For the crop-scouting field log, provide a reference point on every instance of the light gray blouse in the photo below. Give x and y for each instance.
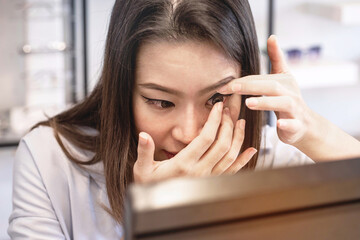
(54, 198)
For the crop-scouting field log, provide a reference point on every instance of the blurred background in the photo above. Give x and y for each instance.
(51, 56)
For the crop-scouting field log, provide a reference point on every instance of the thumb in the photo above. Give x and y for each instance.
(277, 58)
(146, 149)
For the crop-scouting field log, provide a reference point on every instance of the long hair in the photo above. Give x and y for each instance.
(226, 23)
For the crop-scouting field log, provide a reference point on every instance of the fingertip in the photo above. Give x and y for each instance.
(272, 37)
(220, 106)
(242, 123)
(281, 124)
(146, 148)
(252, 151)
(272, 40)
(143, 138)
(251, 102)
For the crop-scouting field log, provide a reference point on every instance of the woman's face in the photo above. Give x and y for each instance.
(175, 89)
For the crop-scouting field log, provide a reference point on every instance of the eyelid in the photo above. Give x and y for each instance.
(217, 94)
(159, 103)
(220, 94)
(153, 99)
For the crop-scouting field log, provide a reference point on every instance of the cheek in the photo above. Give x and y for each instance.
(151, 124)
(146, 121)
(234, 104)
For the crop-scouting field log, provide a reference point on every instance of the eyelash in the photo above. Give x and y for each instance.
(216, 95)
(158, 103)
(162, 104)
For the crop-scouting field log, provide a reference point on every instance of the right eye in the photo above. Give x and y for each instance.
(158, 103)
(217, 97)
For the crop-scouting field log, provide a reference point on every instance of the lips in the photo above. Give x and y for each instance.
(169, 154)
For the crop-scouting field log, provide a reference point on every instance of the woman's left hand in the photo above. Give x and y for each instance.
(280, 93)
(296, 123)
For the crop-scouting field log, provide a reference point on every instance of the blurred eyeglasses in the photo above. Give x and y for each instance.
(296, 54)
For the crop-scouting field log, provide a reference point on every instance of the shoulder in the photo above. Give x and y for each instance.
(56, 170)
(76, 194)
(54, 167)
(274, 153)
(44, 146)
(40, 184)
(50, 158)
(46, 151)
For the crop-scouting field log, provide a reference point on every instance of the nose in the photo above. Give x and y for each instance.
(188, 126)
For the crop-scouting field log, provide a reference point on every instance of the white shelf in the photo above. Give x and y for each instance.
(316, 74)
(347, 13)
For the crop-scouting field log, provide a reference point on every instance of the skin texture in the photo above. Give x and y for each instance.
(188, 69)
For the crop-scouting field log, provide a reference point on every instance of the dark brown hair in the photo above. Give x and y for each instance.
(226, 23)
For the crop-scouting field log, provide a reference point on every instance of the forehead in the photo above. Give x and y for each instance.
(184, 63)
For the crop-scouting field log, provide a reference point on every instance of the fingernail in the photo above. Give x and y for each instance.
(281, 123)
(219, 106)
(253, 152)
(251, 102)
(143, 138)
(236, 87)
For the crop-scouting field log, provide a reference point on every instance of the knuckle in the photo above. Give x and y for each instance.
(231, 170)
(233, 155)
(240, 137)
(138, 177)
(208, 139)
(223, 146)
(228, 129)
(297, 99)
(290, 103)
(262, 102)
(137, 168)
(292, 80)
(219, 169)
(277, 87)
(182, 169)
(203, 172)
(229, 123)
(216, 172)
(199, 172)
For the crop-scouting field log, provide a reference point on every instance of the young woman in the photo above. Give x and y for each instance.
(179, 95)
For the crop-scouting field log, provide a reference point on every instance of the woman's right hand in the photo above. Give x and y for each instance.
(214, 151)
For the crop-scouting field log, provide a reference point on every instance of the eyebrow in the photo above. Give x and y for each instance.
(213, 87)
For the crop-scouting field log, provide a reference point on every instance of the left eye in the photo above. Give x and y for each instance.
(217, 97)
(161, 104)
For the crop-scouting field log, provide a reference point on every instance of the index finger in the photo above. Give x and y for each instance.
(268, 85)
(207, 136)
(277, 58)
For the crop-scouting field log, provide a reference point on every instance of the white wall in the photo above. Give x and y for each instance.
(298, 29)
(98, 22)
(11, 62)
(7, 157)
